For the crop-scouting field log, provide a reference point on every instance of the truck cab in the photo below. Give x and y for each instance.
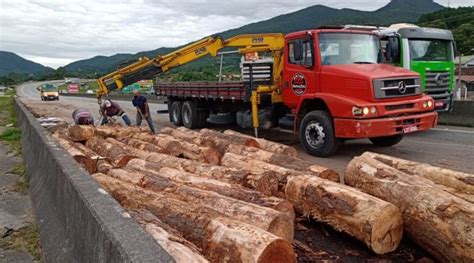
(49, 92)
(427, 51)
(337, 87)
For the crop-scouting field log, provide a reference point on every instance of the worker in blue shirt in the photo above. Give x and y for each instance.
(143, 110)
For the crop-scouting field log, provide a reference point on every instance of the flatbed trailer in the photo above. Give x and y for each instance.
(229, 90)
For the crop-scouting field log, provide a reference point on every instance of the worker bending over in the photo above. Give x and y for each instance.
(82, 117)
(143, 110)
(109, 109)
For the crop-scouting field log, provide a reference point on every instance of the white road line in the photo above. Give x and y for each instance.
(450, 130)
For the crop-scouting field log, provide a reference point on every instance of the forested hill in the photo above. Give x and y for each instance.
(459, 20)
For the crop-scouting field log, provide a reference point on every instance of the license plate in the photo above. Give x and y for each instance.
(410, 129)
(439, 104)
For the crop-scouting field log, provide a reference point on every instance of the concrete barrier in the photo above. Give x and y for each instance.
(78, 221)
(462, 114)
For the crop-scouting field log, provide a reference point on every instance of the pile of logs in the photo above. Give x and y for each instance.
(224, 196)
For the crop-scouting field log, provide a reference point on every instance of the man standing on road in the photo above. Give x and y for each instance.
(143, 110)
(109, 109)
(82, 117)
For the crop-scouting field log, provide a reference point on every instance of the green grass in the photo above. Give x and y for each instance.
(25, 239)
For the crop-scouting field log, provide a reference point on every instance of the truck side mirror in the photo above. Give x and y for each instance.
(298, 50)
(393, 48)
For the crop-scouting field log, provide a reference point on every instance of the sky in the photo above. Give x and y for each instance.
(56, 32)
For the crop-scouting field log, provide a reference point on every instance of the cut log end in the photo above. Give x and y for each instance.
(87, 163)
(387, 230)
(277, 251)
(124, 161)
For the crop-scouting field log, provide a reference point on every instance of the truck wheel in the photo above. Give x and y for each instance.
(175, 113)
(387, 140)
(317, 134)
(190, 115)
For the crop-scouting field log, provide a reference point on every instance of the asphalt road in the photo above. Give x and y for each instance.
(445, 146)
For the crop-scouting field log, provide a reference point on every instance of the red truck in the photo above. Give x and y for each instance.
(329, 85)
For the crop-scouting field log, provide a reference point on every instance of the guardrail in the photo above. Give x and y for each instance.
(78, 220)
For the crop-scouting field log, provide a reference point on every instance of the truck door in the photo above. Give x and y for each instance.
(298, 74)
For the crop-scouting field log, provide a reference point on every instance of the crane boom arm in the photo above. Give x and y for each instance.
(146, 68)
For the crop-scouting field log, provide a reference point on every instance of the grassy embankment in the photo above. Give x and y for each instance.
(26, 238)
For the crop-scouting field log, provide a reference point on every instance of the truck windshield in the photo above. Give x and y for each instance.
(349, 48)
(431, 50)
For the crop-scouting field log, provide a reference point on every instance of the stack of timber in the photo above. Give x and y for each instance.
(436, 203)
(225, 196)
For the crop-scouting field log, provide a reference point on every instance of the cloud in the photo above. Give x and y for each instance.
(55, 32)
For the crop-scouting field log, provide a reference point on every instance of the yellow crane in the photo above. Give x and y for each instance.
(146, 67)
(247, 43)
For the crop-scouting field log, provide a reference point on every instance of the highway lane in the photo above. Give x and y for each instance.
(445, 146)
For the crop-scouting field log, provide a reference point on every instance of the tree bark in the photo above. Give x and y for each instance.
(181, 250)
(271, 220)
(373, 221)
(266, 145)
(81, 133)
(221, 239)
(437, 221)
(249, 164)
(284, 161)
(457, 183)
(262, 181)
(184, 134)
(109, 148)
(226, 189)
(84, 161)
(231, 139)
(168, 143)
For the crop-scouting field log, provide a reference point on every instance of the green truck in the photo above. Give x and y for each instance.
(427, 51)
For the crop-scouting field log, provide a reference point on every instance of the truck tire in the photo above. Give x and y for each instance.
(317, 134)
(175, 113)
(190, 115)
(387, 141)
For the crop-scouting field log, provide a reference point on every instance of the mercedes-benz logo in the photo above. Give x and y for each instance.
(402, 87)
(439, 79)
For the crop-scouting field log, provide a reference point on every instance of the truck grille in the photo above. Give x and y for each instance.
(437, 84)
(400, 87)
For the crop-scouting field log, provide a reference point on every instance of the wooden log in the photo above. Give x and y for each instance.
(114, 131)
(118, 155)
(280, 224)
(168, 143)
(84, 161)
(231, 139)
(267, 145)
(181, 250)
(249, 164)
(373, 221)
(436, 220)
(81, 133)
(457, 183)
(227, 189)
(184, 134)
(284, 161)
(262, 181)
(221, 239)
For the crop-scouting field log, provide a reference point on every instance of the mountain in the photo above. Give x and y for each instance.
(311, 17)
(12, 63)
(459, 20)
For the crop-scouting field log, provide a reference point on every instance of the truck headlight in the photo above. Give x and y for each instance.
(366, 111)
(430, 103)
